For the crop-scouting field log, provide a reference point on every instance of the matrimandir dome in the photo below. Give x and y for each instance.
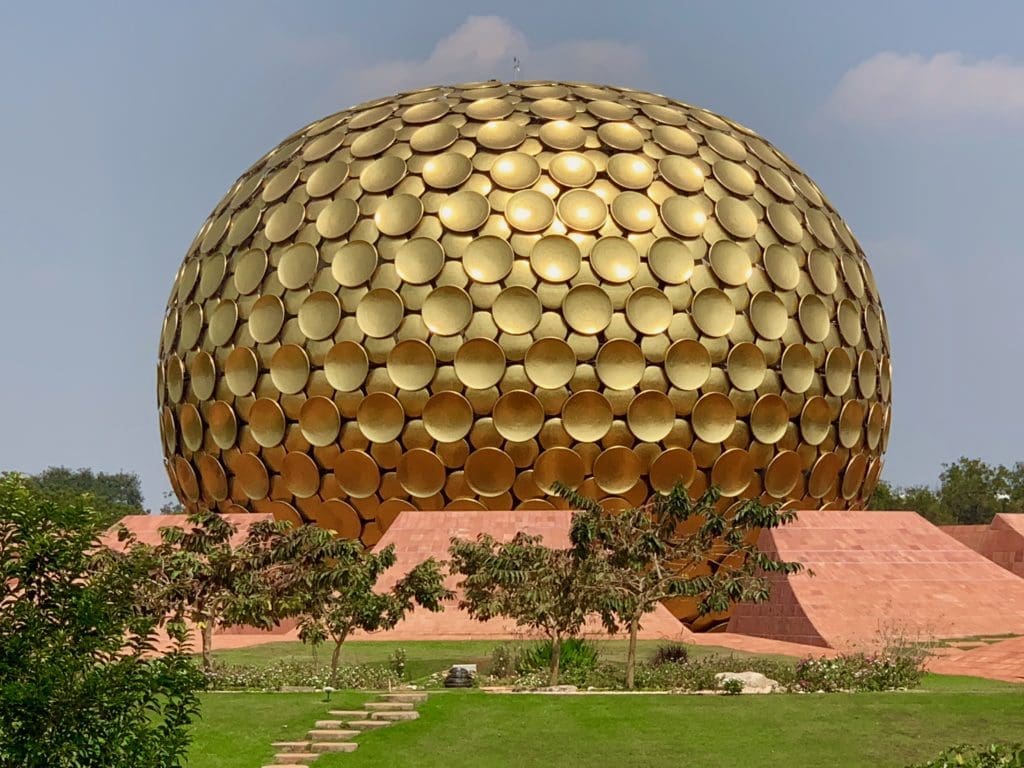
(456, 296)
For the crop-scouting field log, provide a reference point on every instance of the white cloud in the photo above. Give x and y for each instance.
(909, 88)
(483, 47)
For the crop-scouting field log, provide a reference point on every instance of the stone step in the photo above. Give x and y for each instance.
(335, 746)
(286, 765)
(330, 734)
(349, 713)
(395, 716)
(368, 725)
(330, 723)
(380, 706)
(405, 696)
(291, 746)
(295, 758)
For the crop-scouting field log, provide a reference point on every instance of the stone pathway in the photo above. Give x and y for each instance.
(337, 733)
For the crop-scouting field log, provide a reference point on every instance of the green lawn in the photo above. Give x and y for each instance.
(641, 731)
(479, 730)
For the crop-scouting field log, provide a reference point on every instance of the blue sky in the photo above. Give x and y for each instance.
(124, 123)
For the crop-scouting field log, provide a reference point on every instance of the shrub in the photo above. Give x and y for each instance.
(887, 671)
(577, 657)
(991, 756)
(732, 686)
(397, 662)
(699, 674)
(272, 677)
(504, 661)
(671, 653)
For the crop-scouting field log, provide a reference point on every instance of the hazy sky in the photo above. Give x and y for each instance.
(122, 124)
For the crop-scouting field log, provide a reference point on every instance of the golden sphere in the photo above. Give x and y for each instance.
(456, 296)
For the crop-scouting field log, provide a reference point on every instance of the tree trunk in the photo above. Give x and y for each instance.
(556, 655)
(336, 655)
(634, 627)
(207, 643)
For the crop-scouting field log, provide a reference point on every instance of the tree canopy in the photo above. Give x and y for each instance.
(111, 495)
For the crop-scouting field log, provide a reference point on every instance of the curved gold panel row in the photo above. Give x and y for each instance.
(455, 297)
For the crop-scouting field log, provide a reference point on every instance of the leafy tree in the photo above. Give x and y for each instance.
(548, 590)
(79, 684)
(112, 496)
(973, 492)
(643, 558)
(208, 574)
(331, 585)
(914, 498)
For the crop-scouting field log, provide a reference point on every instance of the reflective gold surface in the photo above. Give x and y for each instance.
(461, 296)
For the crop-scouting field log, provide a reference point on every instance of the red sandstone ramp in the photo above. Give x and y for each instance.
(1002, 541)
(418, 535)
(147, 527)
(999, 661)
(876, 573)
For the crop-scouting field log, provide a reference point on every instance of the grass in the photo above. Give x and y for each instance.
(426, 657)
(643, 731)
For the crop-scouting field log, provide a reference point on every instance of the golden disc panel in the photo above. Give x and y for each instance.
(357, 474)
(460, 295)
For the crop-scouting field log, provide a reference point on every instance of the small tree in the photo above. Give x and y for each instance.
(331, 585)
(548, 590)
(642, 557)
(203, 575)
(80, 686)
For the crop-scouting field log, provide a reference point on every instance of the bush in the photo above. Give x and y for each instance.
(672, 653)
(577, 657)
(699, 674)
(504, 661)
(991, 756)
(732, 686)
(272, 677)
(859, 672)
(397, 662)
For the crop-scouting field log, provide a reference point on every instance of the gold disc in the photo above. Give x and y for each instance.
(782, 267)
(571, 169)
(252, 476)
(337, 218)
(769, 419)
(419, 260)
(447, 171)
(555, 258)
(266, 318)
(203, 376)
(682, 173)
(516, 310)
(191, 427)
(582, 210)
(587, 309)
(615, 259)
(838, 371)
(670, 260)
(814, 318)
(340, 517)
(587, 416)
(684, 215)
(380, 417)
(620, 364)
(357, 474)
(411, 364)
(421, 473)
(186, 477)
(447, 416)
(851, 423)
(346, 366)
(675, 465)
(649, 310)
(650, 416)
(815, 420)
(529, 211)
(327, 178)
(561, 465)
(266, 422)
(490, 472)
(561, 134)
(713, 417)
(783, 474)
(630, 171)
(634, 212)
(515, 170)
(797, 368)
(398, 215)
(616, 469)
(464, 211)
(488, 259)
(736, 217)
(730, 263)
(713, 312)
(319, 315)
(732, 472)
(379, 313)
(249, 270)
(688, 364)
(297, 265)
(319, 420)
(447, 310)
(550, 363)
(824, 475)
(480, 363)
(853, 477)
(768, 315)
(300, 474)
(223, 424)
(354, 263)
(289, 368)
(746, 366)
(518, 415)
